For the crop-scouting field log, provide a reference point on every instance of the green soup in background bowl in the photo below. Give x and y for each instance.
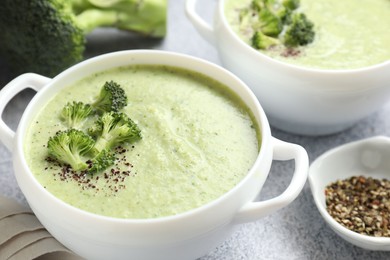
(348, 34)
(191, 180)
(350, 84)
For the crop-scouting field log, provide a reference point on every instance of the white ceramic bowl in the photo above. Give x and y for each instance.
(369, 158)
(297, 99)
(184, 236)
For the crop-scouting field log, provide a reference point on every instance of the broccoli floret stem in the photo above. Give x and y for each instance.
(117, 135)
(75, 113)
(101, 144)
(133, 15)
(112, 129)
(93, 18)
(148, 18)
(78, 6)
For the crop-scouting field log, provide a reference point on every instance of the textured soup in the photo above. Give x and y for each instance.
(199, 140)
(350, 34)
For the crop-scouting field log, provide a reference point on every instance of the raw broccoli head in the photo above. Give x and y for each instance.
(39, 36)
(112, 129)
(299, 32)
(75, 113)
(112, 97)
(69, 146)
(48, 36)
(261, 41)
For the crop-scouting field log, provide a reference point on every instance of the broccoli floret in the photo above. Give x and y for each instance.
(283, 9)
(276, 7)
(112, 97)
(264, 16)
(261, 41)
(278, 19)
(69, 146)
(73, 147)
(48, 36)
(291, 5)
(75, 113)
(101, 161)
(112, 129)
(270, 24)
(299, 32)
(257, 5)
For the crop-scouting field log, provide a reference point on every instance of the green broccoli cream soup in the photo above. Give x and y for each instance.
(198, 140)
(349, 34)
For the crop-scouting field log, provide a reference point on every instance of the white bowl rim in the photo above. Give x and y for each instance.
(263, 124)
(298, 68)
(370, 240)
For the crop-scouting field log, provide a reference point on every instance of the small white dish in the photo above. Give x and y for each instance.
(370, 158)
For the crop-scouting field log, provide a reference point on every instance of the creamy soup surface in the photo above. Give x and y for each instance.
(198, 141)
(350, 34)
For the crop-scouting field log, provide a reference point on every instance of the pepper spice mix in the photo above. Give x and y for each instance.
(361, 204)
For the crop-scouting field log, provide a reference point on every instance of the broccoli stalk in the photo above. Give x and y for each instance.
(69, 146)
(112, 129)
(48, 36)
(146, 17)
(112, 97)
(75, 113)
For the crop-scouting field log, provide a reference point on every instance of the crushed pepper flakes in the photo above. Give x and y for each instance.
(360, 204)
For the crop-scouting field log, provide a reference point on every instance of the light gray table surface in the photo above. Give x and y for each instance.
(295, 232)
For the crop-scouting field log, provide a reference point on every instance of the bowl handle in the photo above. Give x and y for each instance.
(282, 151)
(204, 29)
(24, 81)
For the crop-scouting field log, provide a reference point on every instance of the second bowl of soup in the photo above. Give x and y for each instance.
(326, 86)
